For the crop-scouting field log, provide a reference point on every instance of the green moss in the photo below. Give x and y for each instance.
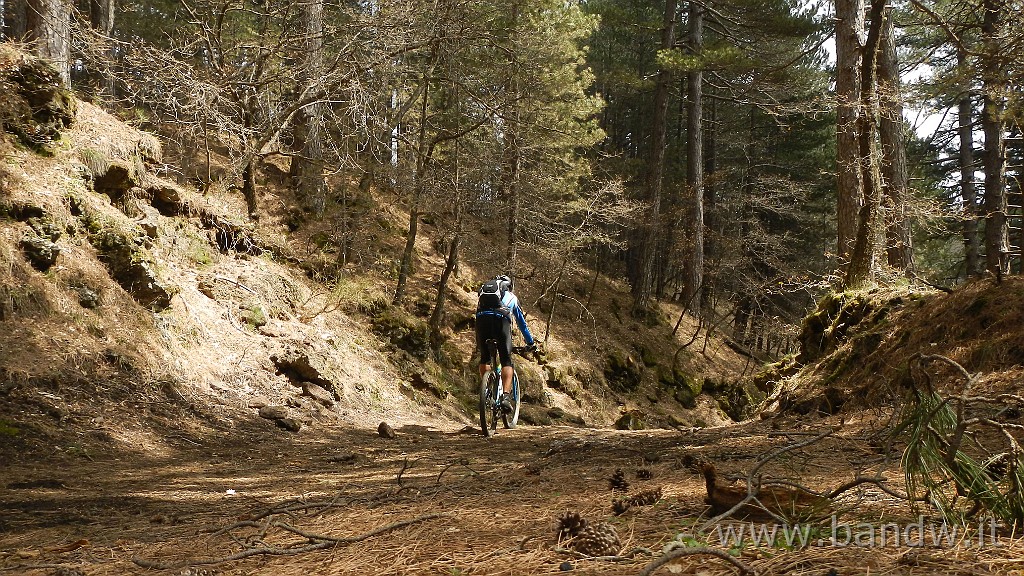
(622, 372)
(405, 331)
(8, 429)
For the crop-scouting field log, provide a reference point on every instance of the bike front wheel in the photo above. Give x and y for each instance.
(488, 407)
(512, 418)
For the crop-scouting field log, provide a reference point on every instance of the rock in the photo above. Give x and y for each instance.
(273, 412)
(132, 268)
(116, 180)
(318, 393)
(385, 430)
(632, 420)
(35, 106)
(149, 219)
(87, 297)
(273, 328)
(258, 402)
(307, 365)
(42, 253)
(289, 424)
(168, 198)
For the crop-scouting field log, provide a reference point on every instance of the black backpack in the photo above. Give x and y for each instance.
(491, 295)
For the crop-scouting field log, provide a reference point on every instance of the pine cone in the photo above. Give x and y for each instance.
(571, 524)
(619, 507)
(646, 498)
(599, 539)
(644, 474)
(618, 481)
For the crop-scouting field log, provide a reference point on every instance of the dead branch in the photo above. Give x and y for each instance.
(754, 487)
(679, 552)
(320, 542)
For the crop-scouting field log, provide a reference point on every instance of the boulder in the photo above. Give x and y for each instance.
(307, 365)
(168, 198)
(318, 394)
(41, 252)
(33, 103)
(87, 297)
(385, 430)
(132, 268)
(289, 424)
(273, 412)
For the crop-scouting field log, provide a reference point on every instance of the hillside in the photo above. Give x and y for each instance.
(133, 305)
(186, 390)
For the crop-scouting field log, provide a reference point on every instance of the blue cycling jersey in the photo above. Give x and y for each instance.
(510, 302)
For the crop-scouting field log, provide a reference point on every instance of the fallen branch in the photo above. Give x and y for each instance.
(753, 488)
(321, 542)
(671, 555)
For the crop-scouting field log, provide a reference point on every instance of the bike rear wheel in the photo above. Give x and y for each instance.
(512, 418)
(488, 409)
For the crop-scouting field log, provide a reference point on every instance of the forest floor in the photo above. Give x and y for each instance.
(473, 505)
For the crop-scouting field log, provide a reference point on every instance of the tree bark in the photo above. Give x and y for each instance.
(422, 154)
(307, 165)
(899, 244)
(15, 12)
(994, 85)
(511, 149)
(644, 283)
(101, 16)
(849, 28)
(694, 281)
(863, 259)
(48, 26)
(969, 194)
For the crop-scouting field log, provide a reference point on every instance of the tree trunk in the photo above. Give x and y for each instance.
(899, 245)
(307, 165)
(849, 27)
(249, 189)
(512, 151)
(965, 120)
(422, 153)
(48, 26)
(451, 261)
(15, 25)
(643, 285)
(101, 16)
(694, 281)
(864, 258)
(994, 83)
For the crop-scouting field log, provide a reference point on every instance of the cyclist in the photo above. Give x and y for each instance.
(496, 307)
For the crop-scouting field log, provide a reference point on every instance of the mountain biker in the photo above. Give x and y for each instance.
(496, 307)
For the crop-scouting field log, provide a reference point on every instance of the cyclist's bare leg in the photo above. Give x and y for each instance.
(484, 368)
(506, 379)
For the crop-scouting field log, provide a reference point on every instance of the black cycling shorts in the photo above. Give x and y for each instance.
(494, 327)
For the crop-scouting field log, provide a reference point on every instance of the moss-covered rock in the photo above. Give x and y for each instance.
(125, 257)
(403, 330)
(41, 252)
(33, 103)
(622, 372)
(631, 420)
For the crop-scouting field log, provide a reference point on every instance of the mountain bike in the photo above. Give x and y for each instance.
(490, 392)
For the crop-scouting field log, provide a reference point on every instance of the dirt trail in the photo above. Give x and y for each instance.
(497, 501)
